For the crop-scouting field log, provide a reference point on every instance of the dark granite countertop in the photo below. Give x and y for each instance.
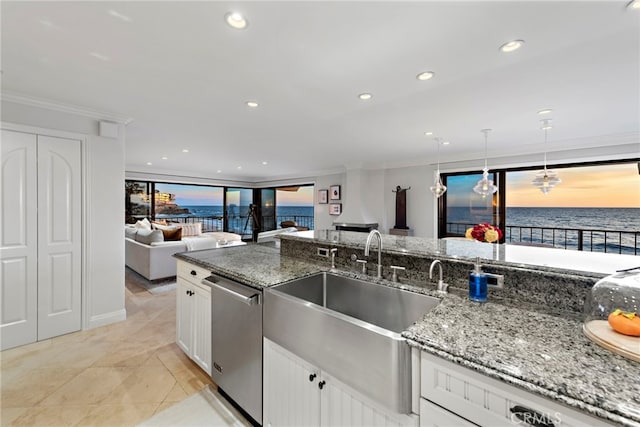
(513, 255)
(544, 354)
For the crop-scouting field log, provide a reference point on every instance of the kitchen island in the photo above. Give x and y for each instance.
(543, 354)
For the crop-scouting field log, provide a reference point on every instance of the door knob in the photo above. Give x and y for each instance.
(193, 273)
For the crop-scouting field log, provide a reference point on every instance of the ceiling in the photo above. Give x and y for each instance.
(183, 77)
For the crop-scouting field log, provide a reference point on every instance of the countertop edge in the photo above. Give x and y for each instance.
(525, 385)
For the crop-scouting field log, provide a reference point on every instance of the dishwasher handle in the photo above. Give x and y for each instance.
(237, 291)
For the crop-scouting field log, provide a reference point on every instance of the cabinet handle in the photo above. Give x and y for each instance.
(187, 292)
(312, 377)
(321, 384)
(194, 273)
(532, 417)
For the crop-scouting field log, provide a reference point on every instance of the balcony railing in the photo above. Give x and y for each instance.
(581, 239)
(236, 223)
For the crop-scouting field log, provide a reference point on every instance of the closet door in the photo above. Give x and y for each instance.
(59, 236)
(18, 240)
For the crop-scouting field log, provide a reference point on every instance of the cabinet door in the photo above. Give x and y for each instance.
(343, 406)
(201, 344)
(291, 394)
(434, 416)
(59, 236)
(184, 327)
(18, 240)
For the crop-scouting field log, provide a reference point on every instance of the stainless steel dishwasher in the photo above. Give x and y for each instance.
(236, 343)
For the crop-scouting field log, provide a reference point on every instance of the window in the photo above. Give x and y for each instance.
(295, 203)
(596, 207)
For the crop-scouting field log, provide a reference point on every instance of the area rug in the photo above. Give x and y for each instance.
(205, 408)
(133, 279)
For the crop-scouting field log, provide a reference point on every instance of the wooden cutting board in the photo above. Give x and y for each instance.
(602, 334)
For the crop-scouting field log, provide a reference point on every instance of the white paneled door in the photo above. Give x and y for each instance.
(41, 237)
(19, 240)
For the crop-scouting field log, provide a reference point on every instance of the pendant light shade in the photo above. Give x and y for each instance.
(438, 188)
(546, 179)
(485, 186)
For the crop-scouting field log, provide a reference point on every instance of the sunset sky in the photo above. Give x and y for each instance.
(609, 186)
(195, 195)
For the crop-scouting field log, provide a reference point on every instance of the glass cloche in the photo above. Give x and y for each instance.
(612, 313)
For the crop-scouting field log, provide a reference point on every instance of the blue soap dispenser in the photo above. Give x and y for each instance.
(477, 283)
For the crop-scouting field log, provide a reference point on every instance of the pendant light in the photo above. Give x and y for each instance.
(438, 188)
(546, 179)
(485, 186)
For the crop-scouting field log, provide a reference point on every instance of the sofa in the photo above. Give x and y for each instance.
(151, 256)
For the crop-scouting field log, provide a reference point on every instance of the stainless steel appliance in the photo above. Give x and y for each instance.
(236, 341)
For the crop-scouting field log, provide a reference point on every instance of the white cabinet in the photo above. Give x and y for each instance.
(193, 314)
(297, 393)
(486, 401)
(434, 416)
(41, 241)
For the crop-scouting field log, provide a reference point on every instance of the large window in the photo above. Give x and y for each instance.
(596, 207)
(295, 203)
(244, 211)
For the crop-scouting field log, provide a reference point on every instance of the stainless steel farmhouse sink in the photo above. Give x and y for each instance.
(351, 329)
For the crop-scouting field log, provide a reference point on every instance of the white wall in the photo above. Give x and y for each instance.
(421, 204)
(103, 253)
(322, 218)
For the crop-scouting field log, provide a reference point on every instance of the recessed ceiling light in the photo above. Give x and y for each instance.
(149, 163)
(634, 4)
(164, 157)
(219, 171)
(119, 15)
(446, 143)
(47, 23)
(428, 133)
(185, 150)
(545, 111)
(265, 163)
(511, 46)
(425, 75)
(252, 104)
(365, 96)
(100, 56)
(239, 167)
(236, 20)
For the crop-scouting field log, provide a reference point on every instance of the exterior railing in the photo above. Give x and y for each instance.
(235, 223)
(581, 239)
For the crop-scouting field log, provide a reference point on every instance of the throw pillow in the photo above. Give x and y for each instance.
(144, 223)
(148, 236)
(130, 232)
(172, 234)
(157, 226)
(194, 229)
(160, 222)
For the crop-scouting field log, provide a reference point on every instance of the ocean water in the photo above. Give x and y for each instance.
(526, 224)
(303, 215)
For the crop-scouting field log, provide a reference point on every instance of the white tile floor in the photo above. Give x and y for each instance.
(116, 375)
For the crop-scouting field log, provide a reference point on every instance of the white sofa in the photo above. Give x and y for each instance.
(155, 261)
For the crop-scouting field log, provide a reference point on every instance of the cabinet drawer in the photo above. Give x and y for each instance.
(434, 416)
(489, 402)
(192, 273)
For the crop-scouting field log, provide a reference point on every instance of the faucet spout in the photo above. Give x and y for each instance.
(367, 246)
(442, 287)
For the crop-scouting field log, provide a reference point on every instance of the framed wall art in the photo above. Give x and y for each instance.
(335, 208)
(323, 196)
(334, 192)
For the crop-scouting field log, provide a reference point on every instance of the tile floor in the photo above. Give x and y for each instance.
(116, 375)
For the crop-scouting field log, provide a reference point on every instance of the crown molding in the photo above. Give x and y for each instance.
(48, 104)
